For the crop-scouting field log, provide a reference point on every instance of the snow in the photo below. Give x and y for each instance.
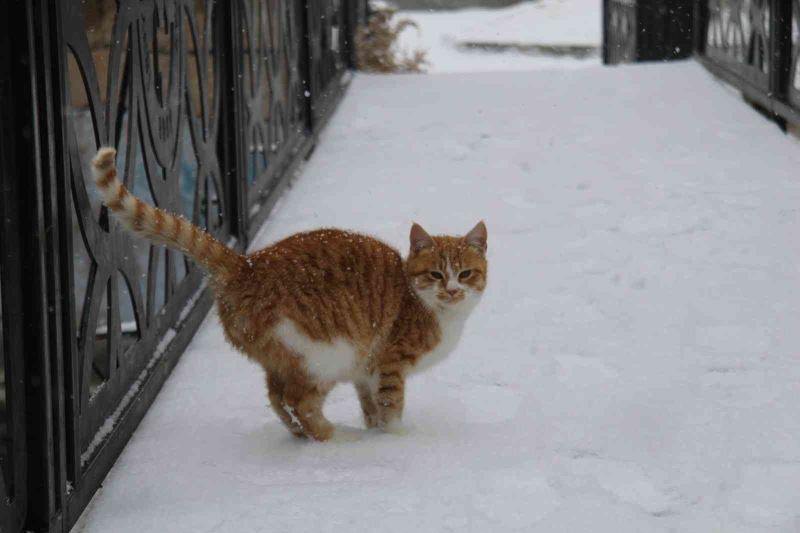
(544, 22)
(631, 367)
(108, 424)
(128, 326)
(193, 300)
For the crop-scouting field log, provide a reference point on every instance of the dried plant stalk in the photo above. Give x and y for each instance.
(376, 45)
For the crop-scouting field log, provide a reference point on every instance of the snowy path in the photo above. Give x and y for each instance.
(633, 366)
(442, 35)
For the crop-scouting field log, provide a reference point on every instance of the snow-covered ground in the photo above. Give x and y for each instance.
(632, 367)
(540, 22)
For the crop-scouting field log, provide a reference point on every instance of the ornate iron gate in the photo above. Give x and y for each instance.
(755, 45)
(752, 44)
(211, 105)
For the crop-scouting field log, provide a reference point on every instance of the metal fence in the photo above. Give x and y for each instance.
(755, 45)
(752, 44)
(619, 31)
(211, 104)
(646, 30)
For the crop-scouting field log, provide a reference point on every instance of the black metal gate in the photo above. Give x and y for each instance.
(752, 44)
(647, 30)
(211, 105)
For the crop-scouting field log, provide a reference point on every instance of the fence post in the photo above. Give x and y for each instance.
(661, 30)
(231, 141)
(664, 29)
(606, 21)
(306, 66)
(352, 21)
(780, 47)
(38, 119)
(13, 497)
(699, 26)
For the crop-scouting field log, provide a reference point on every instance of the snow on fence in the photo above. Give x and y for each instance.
(211, 105)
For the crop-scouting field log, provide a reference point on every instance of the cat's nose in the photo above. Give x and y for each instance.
(453, 292)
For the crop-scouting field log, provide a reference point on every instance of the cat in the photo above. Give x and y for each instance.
(326, 306)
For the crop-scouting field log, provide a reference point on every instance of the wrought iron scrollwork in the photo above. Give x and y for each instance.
(738, 36)
(273, 94)
(794, 72)
(151, 89)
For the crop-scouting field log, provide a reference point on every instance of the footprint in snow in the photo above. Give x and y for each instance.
(627, 482)
(514, 499)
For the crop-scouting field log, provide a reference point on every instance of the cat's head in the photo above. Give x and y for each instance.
(448, 272)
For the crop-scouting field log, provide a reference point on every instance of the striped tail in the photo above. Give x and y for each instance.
(159, 225)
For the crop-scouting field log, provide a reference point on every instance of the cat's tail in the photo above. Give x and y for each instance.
(158, 225)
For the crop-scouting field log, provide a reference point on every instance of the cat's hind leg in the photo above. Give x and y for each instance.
(276, 387)
(295, 396)
(301, 402)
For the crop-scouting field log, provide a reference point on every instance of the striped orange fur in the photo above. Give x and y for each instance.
(327, 306)
(160, 226)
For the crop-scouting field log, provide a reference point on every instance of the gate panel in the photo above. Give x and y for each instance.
(13, 479)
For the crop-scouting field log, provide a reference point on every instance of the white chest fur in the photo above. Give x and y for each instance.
(326, 361)
(338, 360)
(451, 324)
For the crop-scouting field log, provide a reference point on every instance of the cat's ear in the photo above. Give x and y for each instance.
(477, 236)
(420, 239)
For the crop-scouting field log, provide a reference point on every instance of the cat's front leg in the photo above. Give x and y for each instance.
(390, 395)
(366, 396)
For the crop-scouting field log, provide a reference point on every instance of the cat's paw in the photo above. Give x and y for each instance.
(395, 427)
(372, 421)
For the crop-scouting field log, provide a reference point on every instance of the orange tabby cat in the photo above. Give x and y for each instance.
(326, 306)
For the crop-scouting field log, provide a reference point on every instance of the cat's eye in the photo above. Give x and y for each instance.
(464, 274)
(437, 275)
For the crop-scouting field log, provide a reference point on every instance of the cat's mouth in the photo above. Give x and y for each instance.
(452, 298)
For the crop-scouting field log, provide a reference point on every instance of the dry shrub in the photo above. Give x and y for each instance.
(376, 44)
